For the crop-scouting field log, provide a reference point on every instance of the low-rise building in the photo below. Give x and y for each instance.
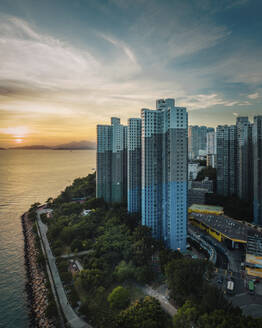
(204, 184)
(254, 255)
(196, 196)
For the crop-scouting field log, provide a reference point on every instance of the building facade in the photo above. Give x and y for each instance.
(197, 141)
(211, 143)
(134, 165)
(104, 163)
(257, 169)
(193, 141)
(164, 172)
(226, 137)
(244, 159)
(111, 165)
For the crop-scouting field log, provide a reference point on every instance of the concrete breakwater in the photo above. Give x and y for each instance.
(36, 282)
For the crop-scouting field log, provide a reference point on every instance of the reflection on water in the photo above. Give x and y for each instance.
(26, 177)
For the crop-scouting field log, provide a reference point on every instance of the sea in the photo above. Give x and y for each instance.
(26, 177)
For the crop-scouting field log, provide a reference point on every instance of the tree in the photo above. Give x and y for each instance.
(66, 277)
(208, 172)
(91, 278)
(146, 313)
(186, 316)
(119, 298)
(166, 255)
(182, 283)
(124, 271)
(95, 203)
(76, 245)
(213, 299)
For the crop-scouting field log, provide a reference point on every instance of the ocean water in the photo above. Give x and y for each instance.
(26, 177)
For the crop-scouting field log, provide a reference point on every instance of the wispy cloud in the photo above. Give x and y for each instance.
(207, 101)
(121, 45)
(253, 95)
(17, 131)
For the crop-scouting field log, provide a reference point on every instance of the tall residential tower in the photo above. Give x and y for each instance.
(226, 160)
(164, 172)
(111, 174)
(257, 166)
(244, 159)
(134, 165)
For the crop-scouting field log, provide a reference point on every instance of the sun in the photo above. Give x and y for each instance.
(18, 140)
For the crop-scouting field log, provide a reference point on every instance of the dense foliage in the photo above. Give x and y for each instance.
(119, 249)
(207, 172)
(189, 316)
(146, 313)
(121, 255)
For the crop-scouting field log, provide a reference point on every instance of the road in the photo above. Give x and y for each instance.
(72, 318)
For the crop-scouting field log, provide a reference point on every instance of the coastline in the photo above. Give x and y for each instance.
(36, 289)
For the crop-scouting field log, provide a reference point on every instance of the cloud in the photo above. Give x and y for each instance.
(253, 95)
(17, 131)
(202, 101)
(120, 44)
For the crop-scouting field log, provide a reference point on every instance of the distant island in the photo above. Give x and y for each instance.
(75, 145)
(31, 147)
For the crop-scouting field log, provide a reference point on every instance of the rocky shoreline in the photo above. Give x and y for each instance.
(36, 280)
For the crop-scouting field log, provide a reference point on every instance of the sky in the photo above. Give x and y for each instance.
(67, 65)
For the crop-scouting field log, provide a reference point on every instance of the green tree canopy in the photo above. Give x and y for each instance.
(146, 313)
(185, 278)
(119, 298)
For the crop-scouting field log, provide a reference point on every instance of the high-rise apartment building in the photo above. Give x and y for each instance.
(164, 172)
(134, 165)
(112, 162)
(226, 137)
(244, 159)
(104, 162)
(257, 167)
(197, 140)
(193, 141)
(202, 140)
(211, 142)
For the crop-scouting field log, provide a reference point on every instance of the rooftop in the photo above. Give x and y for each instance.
(222, 224)
(206, 208)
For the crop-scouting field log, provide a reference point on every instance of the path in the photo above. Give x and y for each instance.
(79, 254)
(72, 318)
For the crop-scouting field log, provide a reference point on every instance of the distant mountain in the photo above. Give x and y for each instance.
(31, 147)
(84, 144)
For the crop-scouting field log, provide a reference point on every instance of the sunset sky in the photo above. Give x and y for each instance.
(67, 65)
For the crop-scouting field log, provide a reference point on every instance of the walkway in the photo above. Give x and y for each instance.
(79, 254)
(72, 318)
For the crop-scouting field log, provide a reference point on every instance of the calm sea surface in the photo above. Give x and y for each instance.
(26, 177)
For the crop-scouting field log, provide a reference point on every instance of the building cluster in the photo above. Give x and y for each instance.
(239, 162)
(145, 164)
(201, 142)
